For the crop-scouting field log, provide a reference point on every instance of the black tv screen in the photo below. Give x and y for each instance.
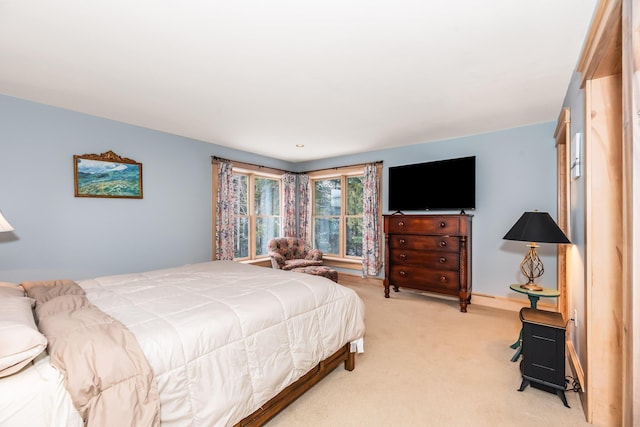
(440, 185)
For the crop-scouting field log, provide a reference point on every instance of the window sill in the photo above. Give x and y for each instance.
(346, 263)
(351, 264)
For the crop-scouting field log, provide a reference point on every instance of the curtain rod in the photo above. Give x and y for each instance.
(215, 159)
(219, 159)
(377, 162)
(268, 169)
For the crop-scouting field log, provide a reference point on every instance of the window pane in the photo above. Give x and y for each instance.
(267, 196)
(267, 228)
(326, 234)
(241, 237)
(354, 236)
(326, 197)
(355, 194)
(241, 194)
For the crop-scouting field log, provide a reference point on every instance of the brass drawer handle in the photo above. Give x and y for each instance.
(403, 257)
(402, 241)
(442, 260)
(443, 243)
(443, 224)
(401, 223)
(443, 279)
(403, 273)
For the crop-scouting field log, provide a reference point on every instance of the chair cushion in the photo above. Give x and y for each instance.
(290, 264)
(322, 270)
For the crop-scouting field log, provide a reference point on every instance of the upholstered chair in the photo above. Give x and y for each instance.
(287, 253)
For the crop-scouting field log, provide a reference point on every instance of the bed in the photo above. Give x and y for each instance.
(222, 344)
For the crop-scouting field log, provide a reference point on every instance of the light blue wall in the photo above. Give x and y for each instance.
(574, 100)
(60, 236)
(515, 172)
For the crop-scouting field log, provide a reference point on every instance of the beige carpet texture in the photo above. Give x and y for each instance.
(427, 364)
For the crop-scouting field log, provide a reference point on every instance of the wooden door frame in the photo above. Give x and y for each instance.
(612, 184)
(631, 211)
(563, 150)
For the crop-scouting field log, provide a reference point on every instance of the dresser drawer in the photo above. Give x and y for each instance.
(425, 243)
(437, 260)
(423, 225)
(425, 278)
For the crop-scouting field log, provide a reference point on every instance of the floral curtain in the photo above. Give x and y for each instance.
(289, 217)
(224, 212)
(304, 203)
(371, 261)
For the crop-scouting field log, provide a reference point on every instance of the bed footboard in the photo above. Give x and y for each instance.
(298, 388)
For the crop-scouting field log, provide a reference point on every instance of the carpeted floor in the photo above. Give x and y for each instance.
(428, 364)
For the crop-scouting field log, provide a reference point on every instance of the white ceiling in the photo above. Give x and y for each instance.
(339, 76)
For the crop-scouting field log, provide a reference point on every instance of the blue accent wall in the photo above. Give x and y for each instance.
(577, 299)
(515, 172)
(58, 235)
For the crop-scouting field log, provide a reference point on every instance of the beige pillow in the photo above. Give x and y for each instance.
(20, 339)
(10, 290)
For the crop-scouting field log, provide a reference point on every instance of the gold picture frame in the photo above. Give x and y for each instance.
(107, 175)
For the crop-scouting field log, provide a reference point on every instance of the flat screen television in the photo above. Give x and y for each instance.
(440, 185)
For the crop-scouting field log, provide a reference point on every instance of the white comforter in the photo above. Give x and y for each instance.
(224, 337)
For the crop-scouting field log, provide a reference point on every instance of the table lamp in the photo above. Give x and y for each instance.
(4, 224)
(535, 227)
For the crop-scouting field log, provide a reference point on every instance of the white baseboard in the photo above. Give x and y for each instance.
(511, 304)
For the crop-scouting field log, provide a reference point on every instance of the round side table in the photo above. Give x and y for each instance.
(534, 296)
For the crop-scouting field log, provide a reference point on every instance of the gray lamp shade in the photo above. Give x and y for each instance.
(536, 227)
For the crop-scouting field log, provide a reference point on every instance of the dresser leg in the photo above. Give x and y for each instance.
(386, 288)
(463, 305)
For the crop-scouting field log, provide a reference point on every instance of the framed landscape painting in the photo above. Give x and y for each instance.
(107, 175)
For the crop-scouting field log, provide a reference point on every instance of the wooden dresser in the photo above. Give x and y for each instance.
(430, 253)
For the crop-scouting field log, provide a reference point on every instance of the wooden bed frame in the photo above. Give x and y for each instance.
(298, 388)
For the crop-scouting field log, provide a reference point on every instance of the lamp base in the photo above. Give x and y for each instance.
(531, 287)
(532, 268)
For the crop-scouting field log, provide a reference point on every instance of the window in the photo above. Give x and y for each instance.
(257, 209)
(337, 214)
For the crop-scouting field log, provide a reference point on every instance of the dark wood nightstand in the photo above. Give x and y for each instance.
(543, 351)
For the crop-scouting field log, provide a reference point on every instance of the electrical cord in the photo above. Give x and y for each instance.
(575, 385)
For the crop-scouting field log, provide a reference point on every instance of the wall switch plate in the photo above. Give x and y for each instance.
(575, 318)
